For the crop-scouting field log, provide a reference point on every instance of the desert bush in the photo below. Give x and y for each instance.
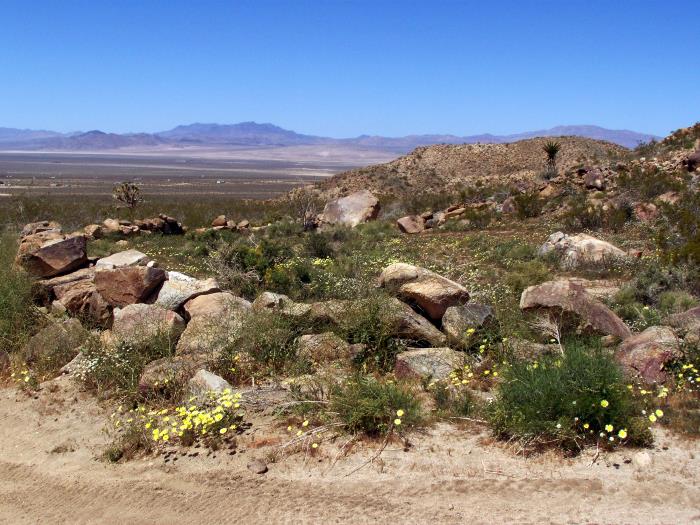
(528, 205)
(127, 194)
(18, 316)
(319, 245)
(524, 274)
(370, 322)
(513, 251)
(678, 237)
(675, 301)
(115, 369)
(648, 184)
(581, 214)
(375, 407)
(568, 400)
(268, 337)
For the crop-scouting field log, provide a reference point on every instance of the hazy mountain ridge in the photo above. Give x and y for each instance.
(253, 134)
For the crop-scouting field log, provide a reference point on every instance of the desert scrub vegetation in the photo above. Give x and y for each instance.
(568, 400)
(373, 406)
(19, 317)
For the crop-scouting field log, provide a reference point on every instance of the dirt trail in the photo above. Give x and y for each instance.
(49, 474)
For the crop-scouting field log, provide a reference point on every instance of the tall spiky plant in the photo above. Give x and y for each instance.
(552, 149)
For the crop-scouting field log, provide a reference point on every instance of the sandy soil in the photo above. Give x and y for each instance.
(49, 474)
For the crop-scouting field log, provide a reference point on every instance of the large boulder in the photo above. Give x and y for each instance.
(215, 305)
(411, 224)
(180, 288)
(430, 292)
(128, 285)
(35, 241)
(43, 289)
(581, 248)
(571, 299)
(144, 323)
(351, 210)
(466, 324)
(428, 363)
(647, 354)
(692, 162)
(122, 260)
(409, 325)
(56, 257)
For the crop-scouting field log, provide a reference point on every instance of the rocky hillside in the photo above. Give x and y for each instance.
(449, 167)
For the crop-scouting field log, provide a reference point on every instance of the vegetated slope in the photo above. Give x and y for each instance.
(450, 167)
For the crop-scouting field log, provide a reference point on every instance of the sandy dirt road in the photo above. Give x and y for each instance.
(49, 474)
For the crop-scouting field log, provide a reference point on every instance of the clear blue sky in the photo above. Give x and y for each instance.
(345, 68)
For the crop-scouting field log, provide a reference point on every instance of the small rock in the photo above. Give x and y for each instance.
(257, 466)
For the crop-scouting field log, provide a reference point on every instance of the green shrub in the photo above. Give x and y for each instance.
(581, 214)
(567, 400)
(18, 316)
(365, 404)
(678, 237)
(675, 301)
(524, 274)
(528, 205)
(371, 322)
(648, 184)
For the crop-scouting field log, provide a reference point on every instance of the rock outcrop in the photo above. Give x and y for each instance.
(128, 285)
(581, 248)
(55, 257)
(647, 354)
(351, 210)
(428, 363)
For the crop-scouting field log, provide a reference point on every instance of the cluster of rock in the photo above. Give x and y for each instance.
(222, 222)
(162, 224)
(434, 219)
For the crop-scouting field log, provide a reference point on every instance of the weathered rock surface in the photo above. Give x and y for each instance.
(128, 285)
(82, 299)
(204, 382)
(411, 224)
(581, 248)
(568, 297)
(216, 304)
(180, 288)
(646, 354)
(409, 325)
(39, 227)
(122, 260)
(44, 288)
(429, 363)
(431, 292)
(283, 304)
(685, 321)
(459, 319)
(160, 374)
(56, 257)
(141, 323)
(352, 210)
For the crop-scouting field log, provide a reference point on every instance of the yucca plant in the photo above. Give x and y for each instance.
(552, 149)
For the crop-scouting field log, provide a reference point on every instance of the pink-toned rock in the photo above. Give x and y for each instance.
(411, 224)
(128, 285)
(508, 206)
(567, 296)
(82, 299)
(646, 211)
(647, 354)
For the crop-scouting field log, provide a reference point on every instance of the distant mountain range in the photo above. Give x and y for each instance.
(252, 134)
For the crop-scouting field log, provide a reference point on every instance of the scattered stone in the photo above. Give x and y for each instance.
(429, 291)
(122, 260)
(180, 288)
(257, 466)
(594, 180)
(93, 231)
(128, 285)
(216, 304)
(141, 323)
(221, 220)
(352, 210)
(203, 382)
(411, 224)
(428, 363)
(564, 296)
(39, 227)
(646, 354)
(642, 459)
(56, 257)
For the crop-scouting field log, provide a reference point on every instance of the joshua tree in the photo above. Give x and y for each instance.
(551, 148)
(128, 194)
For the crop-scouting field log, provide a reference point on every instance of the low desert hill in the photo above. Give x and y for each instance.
(443, 168)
